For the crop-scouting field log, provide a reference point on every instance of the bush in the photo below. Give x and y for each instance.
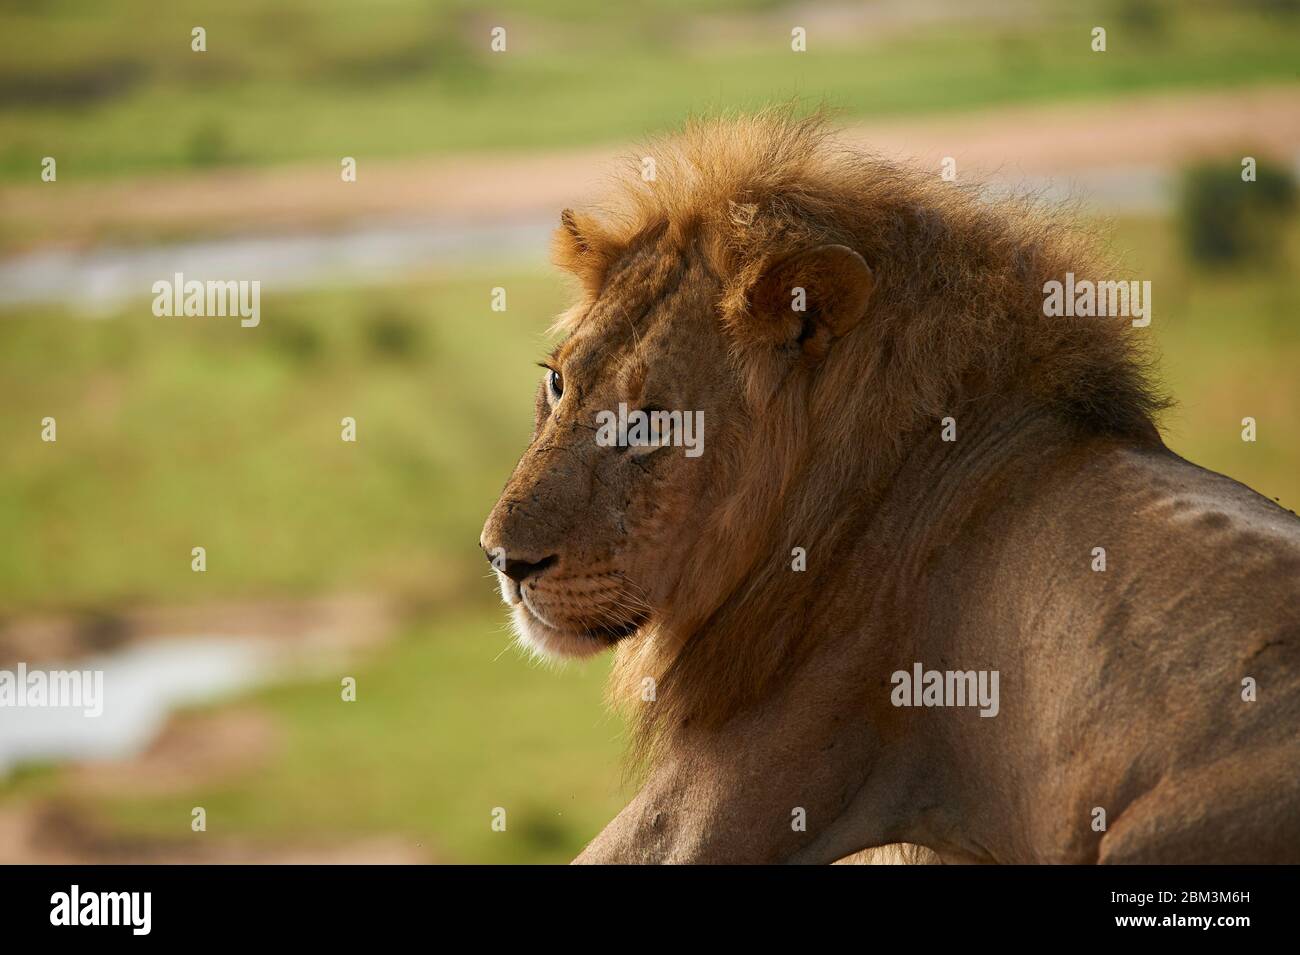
(1225, 220)
(392, 334)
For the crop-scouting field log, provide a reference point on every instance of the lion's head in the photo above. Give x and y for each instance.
(814, 309)
(586, 531)
(595, 529)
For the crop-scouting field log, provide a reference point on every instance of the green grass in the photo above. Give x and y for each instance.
(1230, 349)
(176, 433)
(116, 90)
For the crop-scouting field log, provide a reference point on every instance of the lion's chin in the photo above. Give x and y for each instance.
(543, 640)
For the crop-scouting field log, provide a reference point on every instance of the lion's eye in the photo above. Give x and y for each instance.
(554, 385)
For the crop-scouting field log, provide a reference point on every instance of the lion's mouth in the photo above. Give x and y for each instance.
(607, 632)
(612, 633)
(564, 637)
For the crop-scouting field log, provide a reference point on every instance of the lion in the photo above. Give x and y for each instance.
(909, 471)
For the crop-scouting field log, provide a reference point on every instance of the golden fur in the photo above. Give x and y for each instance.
(961, 283)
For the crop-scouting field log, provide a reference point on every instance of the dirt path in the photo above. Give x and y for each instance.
(1162, 130)
(344, 623)
(57, 833)
(196, 751)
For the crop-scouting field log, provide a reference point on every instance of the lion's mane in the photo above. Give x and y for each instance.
(956, 315)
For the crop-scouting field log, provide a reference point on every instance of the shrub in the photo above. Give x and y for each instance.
(1225, 220)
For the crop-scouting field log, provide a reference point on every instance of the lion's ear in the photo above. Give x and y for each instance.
(581, 247)
(813, 297)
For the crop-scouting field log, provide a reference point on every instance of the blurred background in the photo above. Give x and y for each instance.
(328, 559)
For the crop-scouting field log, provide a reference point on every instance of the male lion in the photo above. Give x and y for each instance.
(907, 467)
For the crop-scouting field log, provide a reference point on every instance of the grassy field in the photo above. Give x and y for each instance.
(1230, 348)
(209, 433)
(116, 90)
(176, 432)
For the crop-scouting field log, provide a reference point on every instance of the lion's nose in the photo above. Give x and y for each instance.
(521, 570)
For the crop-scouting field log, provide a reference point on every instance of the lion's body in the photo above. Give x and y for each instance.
(1121, 689)
(772, 732)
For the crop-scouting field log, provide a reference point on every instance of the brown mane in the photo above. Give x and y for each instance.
(956, 315)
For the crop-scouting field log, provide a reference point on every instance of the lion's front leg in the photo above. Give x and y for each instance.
(738, 811)
(679, 817)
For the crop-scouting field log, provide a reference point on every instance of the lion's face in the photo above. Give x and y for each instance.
(607, 519)
(591, 531)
